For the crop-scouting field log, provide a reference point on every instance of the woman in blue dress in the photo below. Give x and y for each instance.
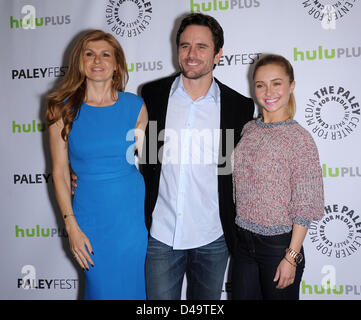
(95, 126)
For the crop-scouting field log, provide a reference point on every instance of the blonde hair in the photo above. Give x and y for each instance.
(64, 103)
(286, 65)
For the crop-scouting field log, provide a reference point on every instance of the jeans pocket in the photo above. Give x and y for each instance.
(158, 248)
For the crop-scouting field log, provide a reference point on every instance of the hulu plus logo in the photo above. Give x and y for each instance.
(145, 66)
(329, 286)
(323, 53)
(342, 172)
(28, 127)
(31, 21)
(215, 5)
(319, 289)
(209, 5)
(39, 232)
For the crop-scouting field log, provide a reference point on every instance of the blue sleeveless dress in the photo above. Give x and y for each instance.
(109, 201)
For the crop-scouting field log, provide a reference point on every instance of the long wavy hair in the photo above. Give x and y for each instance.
(286, 65)
(64, 103)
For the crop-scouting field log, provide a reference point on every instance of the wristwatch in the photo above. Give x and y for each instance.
(297, 256)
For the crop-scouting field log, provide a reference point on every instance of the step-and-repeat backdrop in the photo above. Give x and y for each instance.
(320, 38)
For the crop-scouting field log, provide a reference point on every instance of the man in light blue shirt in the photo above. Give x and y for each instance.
(188, 188)
(189, 207)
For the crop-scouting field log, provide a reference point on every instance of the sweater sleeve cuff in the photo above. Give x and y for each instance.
(302, 221)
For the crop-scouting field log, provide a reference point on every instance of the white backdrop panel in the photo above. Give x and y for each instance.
(35, 258)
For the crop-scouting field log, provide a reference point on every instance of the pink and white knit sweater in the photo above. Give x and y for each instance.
(277, 178)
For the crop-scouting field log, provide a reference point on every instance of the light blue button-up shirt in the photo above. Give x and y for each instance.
(186, 214)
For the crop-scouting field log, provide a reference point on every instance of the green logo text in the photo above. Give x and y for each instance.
(39, 232)
(28, 127)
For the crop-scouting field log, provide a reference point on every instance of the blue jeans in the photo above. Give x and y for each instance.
(254, 266)
(204, 267)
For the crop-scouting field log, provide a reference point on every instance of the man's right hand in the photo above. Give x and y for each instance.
(73, 182)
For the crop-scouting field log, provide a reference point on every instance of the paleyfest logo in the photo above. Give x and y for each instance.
(328, 12)
(30, 281)
(338, 234)
(333, 113)
(128, 18)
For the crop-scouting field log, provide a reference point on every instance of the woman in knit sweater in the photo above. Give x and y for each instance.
(278, 190)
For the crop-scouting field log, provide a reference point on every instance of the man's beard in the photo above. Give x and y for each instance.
(192, 75)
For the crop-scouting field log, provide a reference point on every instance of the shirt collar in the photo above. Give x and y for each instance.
(177, 85)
